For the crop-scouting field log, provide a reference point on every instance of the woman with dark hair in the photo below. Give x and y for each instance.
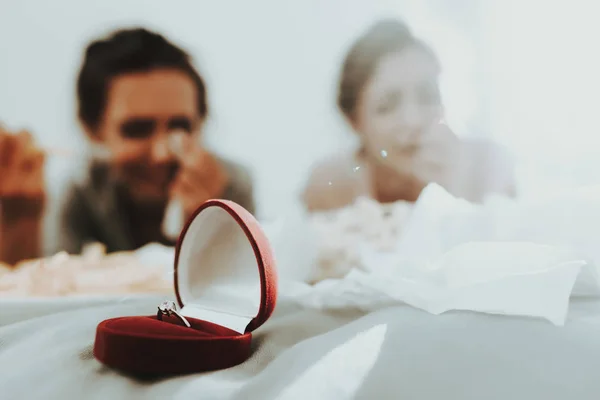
(142, 102)
(389, 93)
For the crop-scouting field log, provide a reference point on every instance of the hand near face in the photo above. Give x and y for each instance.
(21, 166)
(22, 196)
(433, 158)
(404, 173)
(201, 177)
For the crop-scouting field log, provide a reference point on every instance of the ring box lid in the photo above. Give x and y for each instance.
(224, 268)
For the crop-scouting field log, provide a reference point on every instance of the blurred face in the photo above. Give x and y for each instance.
(400, 103)
(142, 110)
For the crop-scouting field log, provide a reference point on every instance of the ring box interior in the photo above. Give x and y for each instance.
(226, 287)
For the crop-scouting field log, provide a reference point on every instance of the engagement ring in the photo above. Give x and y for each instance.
(169, 308)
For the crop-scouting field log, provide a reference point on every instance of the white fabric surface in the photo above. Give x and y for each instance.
(395, 353)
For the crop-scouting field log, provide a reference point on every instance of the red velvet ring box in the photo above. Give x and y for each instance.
(226, 287)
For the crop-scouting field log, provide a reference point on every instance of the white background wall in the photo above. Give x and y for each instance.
(543, 69)
(271, 67)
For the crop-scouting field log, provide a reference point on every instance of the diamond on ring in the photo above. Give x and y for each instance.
(169, 308)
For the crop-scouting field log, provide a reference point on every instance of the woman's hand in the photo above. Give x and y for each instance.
(406, 173)
(436, 155)
(21, 166)
(22, 196)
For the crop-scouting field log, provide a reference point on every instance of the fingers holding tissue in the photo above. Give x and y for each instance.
(21, 165)
(201, 177)
(436, 154)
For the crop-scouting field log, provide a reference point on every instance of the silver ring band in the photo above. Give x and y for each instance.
(169, 308)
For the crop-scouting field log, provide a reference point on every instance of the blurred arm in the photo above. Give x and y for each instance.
(20, 228)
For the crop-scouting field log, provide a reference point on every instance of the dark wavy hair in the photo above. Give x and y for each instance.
(123, 52)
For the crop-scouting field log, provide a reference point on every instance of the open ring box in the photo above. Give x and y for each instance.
(226, 287)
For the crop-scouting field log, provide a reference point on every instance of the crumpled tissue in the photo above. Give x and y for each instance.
(524, 258)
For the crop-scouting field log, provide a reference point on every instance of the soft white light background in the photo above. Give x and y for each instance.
(543, 66)
(523, 72)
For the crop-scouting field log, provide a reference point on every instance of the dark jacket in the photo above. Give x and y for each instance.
(94, 212)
